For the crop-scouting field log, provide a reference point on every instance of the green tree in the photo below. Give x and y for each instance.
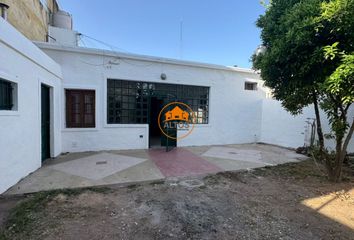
(309, 60)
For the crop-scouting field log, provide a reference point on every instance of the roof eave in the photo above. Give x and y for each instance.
(132, 56)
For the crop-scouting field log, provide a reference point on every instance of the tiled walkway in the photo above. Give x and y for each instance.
(98, 166)
(180, 163)
(130, 166)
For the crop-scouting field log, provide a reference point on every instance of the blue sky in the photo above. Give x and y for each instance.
(214, 31)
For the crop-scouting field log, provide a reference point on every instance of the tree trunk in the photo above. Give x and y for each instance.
(318, 123)
(335, 173)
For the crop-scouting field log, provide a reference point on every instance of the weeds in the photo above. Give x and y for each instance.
(24, 214)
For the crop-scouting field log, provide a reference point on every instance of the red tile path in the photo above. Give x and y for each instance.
(180, 163)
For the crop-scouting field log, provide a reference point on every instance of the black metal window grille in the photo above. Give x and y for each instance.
(128, 101)
(251, 86)
(6, 95)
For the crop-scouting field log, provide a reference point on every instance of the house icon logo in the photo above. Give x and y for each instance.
(177, 114)
(176, 120)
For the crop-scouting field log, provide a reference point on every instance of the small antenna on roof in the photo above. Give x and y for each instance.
(181, 39)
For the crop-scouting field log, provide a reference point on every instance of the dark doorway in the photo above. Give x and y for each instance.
(156, 105)
(45, 121)
(169, 143)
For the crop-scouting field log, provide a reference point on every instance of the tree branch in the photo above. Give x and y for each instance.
(347, 107)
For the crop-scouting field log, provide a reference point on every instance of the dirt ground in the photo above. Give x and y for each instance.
(292, 201)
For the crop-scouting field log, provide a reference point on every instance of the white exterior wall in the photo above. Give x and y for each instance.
(350, 118)
(235, 114)
(20, 131)
(281, 128)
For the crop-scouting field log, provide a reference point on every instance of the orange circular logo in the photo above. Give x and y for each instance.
(176, 115)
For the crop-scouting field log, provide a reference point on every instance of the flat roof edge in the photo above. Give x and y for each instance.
(132, 56)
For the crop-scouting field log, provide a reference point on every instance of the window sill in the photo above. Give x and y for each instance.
(9, 113)
(146, 125)
(80, 130)
(126, 125)
(202, 125)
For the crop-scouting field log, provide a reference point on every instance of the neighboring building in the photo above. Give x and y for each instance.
(57, 97)
(32, 17)
(41, 20)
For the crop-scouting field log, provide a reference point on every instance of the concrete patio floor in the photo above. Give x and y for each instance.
(87, 169)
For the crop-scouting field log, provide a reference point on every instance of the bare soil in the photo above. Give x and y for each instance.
(292, 201)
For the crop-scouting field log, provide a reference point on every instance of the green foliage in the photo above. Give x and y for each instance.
(266, 3)
(295, 34)
(339, 87)
(309, 57)
(337, 19)
(293, 62)
(341, 81)
(331, 51)
(306, 41)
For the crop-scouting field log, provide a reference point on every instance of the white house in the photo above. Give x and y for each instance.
(64, 98)
(30, 82)
(230, 113)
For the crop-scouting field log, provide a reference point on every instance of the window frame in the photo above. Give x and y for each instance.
(253, 84)
(198, 97)
(13, 95)
(6, 95)
(69, 123)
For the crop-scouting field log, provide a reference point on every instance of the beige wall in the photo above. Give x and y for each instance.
(30, 17)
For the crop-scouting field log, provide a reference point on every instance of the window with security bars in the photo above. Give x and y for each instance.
(6, 95)
(80, 108)
(128, 101)
(252, 86)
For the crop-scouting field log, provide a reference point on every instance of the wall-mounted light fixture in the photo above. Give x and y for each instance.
(163, 76)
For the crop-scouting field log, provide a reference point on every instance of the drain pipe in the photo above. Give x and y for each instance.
(3, 10)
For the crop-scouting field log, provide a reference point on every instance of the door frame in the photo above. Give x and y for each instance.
(165, 97)
(170, 143)
(159, 97)
(50, 129)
